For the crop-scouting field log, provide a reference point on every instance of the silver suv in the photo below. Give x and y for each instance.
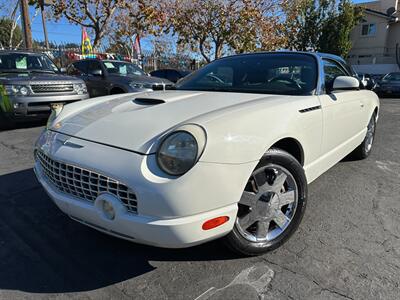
(30, 83)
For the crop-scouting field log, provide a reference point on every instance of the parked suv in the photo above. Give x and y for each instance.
(30, 83)
(105, 77)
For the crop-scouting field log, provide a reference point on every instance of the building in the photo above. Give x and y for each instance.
(376, 39)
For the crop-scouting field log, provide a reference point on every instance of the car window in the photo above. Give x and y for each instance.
(26, 62)
(288, 74)
(332, 70)
(392, 77)
(93, 65)
(123, 68)
(158, 73)
(77, 68)
(172, 75)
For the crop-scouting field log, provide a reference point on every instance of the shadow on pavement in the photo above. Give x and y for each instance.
(43, 251)
(19, 125)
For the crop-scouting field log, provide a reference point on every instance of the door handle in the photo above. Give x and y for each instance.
(361, 104)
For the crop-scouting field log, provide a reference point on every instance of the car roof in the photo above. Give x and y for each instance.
(21, 52)
(316, 54)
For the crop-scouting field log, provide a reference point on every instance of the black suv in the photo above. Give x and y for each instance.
(170, 74)
(105, 77)
(30, 83)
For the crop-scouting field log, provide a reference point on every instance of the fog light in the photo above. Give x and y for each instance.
(210, 224)
(17, 105)
(108, 210)
(24, 90)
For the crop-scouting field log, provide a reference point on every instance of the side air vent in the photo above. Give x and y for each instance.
(148, 101)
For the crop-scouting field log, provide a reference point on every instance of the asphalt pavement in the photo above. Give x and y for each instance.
(347, 247)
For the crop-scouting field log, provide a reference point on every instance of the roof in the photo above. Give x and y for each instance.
(317, 54)
(21, 52)
(379, 14)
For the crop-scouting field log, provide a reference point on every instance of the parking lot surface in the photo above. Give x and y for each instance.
(347, 247)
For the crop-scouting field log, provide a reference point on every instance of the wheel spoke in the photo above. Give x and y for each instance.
(280, 219)
(260, 178)
(287, 198)
(262, 228)
(278, 182)
(247, 220)
(248, 199)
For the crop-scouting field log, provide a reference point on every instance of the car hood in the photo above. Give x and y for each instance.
(25, 78)
(135, 121)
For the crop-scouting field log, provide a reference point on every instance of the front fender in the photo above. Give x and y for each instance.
(245, 133)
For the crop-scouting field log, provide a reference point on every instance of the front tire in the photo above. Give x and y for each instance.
(272, 205)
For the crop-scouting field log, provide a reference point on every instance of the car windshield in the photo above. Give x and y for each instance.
(25, 62)
(392, 77)
(123, 68)
(267, 73)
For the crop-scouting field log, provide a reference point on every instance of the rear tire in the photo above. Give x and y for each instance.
(270, 212)
(365, 148)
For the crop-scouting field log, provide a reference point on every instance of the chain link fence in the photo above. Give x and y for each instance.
(63, 55)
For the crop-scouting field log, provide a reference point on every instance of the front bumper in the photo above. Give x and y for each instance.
(23, 107)
(170, 211)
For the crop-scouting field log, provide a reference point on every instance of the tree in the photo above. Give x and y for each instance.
(217, 26)
(343, 21)
(96, 15)
(140, 18)
(10, 33)
(320, 25)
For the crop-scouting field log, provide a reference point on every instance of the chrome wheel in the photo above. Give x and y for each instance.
(268, 204)
(369, 139)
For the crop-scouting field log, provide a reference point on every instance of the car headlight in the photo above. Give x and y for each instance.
(17, 90)
(80, 88)
(55, 112)
(138, 85)
(180, 150)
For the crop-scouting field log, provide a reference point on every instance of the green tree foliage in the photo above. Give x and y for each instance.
(6, 29)
(335, 32)
(320, 25)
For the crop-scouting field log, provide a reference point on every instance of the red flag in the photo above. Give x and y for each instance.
(137, 47)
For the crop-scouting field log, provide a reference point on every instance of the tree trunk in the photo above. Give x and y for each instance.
(201, 48)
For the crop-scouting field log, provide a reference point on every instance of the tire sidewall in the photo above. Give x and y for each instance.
(284, 159)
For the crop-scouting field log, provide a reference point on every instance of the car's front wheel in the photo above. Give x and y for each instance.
(272, 205)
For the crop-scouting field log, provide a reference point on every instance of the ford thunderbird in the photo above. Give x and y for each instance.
(227, 153)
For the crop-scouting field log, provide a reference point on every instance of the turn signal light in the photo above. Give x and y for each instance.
(210, 224)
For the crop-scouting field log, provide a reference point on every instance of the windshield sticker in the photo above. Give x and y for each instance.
(109, 65)
(122, 70)
(20, 63)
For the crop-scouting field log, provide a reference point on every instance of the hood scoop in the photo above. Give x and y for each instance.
(147, 101)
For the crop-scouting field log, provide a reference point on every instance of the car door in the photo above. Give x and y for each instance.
(96, 82)
(341, 110)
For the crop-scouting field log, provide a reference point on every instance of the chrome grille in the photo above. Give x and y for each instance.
(52, 88)
(84, 184)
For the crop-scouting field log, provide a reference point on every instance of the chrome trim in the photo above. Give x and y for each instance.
(82, 183)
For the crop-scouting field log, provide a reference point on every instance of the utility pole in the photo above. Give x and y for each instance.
(46, 40)
(26, 24)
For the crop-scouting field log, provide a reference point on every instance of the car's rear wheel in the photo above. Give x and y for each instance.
(364, 149)
(272, 205)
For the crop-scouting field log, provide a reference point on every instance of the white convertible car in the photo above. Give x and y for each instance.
(228, 153)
